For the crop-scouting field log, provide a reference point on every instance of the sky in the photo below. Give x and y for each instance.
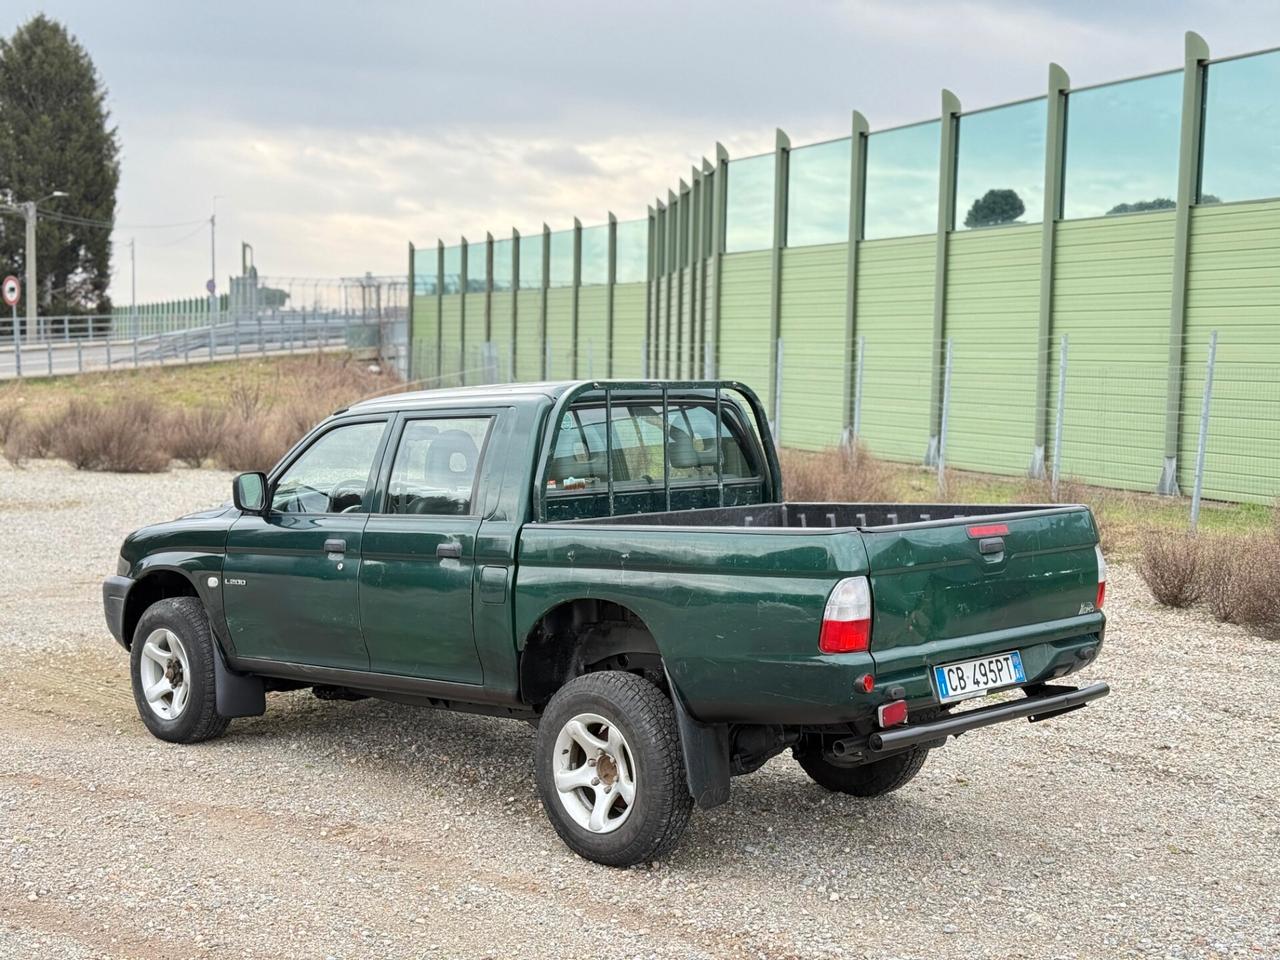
(334, 134)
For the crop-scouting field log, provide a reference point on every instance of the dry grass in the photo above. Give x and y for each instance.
(834, 476)
(241, 418)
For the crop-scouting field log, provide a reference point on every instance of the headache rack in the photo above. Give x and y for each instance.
(614, 390)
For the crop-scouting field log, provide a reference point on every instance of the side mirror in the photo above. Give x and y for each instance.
(249, 493)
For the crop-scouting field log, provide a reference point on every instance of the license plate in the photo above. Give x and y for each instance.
(972, 678)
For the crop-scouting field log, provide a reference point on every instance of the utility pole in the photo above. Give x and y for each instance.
(212, 286)
(133, 288)
(29, 211)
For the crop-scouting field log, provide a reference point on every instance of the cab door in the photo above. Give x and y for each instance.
(290, 578)
(418, 556)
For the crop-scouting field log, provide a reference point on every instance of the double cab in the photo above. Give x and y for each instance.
(613, 562)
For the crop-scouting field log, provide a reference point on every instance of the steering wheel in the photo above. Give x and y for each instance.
(354, 487)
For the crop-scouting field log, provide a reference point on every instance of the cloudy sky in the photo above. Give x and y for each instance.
(335, 133)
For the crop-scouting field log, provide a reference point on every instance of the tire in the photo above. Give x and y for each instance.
(179, 628)
(635, 724)
(868, 780)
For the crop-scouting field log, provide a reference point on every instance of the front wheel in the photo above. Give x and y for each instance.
(609, 769)
(171, 662)
(867, 780)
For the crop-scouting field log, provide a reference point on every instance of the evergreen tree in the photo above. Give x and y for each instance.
(54, 135)
(993, 207)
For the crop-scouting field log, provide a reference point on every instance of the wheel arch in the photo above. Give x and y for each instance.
(156, 584)
(581, 635)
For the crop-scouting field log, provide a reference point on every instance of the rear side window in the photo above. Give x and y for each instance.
(579, 461)
(436, 465)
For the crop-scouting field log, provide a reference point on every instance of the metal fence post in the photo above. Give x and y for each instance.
(1057, 418)
(942, 426)
(48, 353)
(777, 391)
(1204, 431)
(212, 347)
(857, 391)
(108, 351)
(135, 346)
(79, 356)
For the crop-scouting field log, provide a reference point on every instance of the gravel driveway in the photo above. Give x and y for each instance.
(1144, 826)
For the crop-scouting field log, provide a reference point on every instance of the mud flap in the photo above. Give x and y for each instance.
(236, 694)
(705, 748)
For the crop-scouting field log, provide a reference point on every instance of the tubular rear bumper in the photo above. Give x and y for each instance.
(1046, 702)
(114, 592)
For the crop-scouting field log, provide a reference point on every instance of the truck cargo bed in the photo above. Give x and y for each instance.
(809, 515)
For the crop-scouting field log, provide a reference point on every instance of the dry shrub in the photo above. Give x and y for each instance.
(122, 437)
(253, 445)
(1171, 566)
(195, 435)
(1240, 575)
(834, 476)
(12, 420)
(268, 419)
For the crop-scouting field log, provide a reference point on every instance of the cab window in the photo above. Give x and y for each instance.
(579, 460)
(331, 475)
(436, 466)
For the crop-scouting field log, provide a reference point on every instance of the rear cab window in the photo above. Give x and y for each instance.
(579, 466)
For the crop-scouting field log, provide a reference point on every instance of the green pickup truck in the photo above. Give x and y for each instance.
(613, 562)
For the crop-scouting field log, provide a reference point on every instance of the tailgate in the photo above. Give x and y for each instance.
(997, 579)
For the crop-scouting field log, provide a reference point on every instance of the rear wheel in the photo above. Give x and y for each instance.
(609, 769)
(171, 662)
(868, 780)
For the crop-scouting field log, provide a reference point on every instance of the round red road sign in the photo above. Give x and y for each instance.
(12, 291)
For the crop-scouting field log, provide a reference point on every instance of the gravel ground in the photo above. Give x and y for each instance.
(1144, 826)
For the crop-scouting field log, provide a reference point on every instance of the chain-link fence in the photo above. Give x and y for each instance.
(1103, 421)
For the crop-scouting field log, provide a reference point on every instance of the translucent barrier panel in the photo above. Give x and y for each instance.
(531, 262)
(562, 259)
(902, 181)
(502, 264)
(1000, 166)
(425, 271)
(749, 204)
(477, 267)
(1122, 147)
(452, 269)
(595, 255)
(818, 194)
(1241, 130)
(632, 251)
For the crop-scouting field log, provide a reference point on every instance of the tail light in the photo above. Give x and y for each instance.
(846, 622)
(1102, 578)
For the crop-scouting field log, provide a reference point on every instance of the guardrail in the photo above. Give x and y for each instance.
(70, 351)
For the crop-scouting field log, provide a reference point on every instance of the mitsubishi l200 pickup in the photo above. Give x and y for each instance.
(613, 562)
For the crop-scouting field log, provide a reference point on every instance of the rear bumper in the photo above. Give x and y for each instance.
(114, 592)
(1045, 702)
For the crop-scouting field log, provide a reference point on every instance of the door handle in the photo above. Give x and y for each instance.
(452, 551)
(991, 545)
(335, 546)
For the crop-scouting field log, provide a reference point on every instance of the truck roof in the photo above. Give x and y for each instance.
(480, 393)
(493, 392)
